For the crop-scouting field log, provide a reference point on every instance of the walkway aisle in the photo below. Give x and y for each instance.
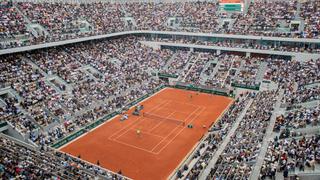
(267, 138)
(225, 142)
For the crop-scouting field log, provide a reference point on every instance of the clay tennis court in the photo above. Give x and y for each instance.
(163, 142)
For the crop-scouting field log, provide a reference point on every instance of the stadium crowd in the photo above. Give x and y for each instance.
(178, 63)
(245, 44)
(291, 155)
(222, 77)
(56, 91)
(193, 76)
(20, 162)
(92, 95)
(291, 73)
(12, 22)
(198, 17)
(241, 153)
(301, 95)
(66, 20)
(96, 78)
(302, 117)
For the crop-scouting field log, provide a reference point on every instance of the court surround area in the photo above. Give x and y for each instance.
(152, 145)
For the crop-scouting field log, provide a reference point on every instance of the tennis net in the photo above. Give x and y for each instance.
(160, 118)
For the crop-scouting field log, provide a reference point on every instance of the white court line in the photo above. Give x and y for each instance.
(149, 134)
(182, 112)
(189, 104)
(139, 122)
(163, 138)
(107, 121)
(192, 150)
(133, 123)
(133, 146)
(160, 122)
(175, 129)
(136, 147)
(197, 106)
(179, 132)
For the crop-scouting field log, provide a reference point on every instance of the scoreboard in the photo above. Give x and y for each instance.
(231, 5)
(230, 1)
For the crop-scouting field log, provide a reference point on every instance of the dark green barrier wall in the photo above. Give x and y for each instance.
(209, 91)
(83, 130)
(167, 75)
(3, 124)
(257, 87)
(68, 139)
(232, 7)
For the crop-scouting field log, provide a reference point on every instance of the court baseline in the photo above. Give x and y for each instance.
(175, 129)
(138, 121)
(179, 132)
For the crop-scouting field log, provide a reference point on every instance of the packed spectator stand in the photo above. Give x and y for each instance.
(243, 149)
(215, 137)
(19, 161)
(51, 93)
(68, 104)
(46, 22)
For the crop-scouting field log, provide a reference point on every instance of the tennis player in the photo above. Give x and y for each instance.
(138, 132)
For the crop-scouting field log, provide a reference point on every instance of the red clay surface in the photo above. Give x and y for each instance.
(162, 145)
